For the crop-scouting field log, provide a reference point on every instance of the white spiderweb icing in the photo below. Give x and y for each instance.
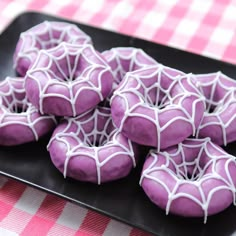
(47, 35)
(192, 172)
(91, 141)
(220, 93)
(158, 96)
(68, 74)
(12, 100)
(126, 59)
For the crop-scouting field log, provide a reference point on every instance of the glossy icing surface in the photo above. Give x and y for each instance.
(90, 148)
(20, 121)
(194, 178)
(126, 59)
(219, 120)
(45, 36)
(157, 106)
(71, 77)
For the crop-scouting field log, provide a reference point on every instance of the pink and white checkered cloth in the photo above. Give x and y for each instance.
(200, 26)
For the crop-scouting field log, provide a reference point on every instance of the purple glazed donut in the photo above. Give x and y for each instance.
(126, 59)
(193, 179)
(68, 80)
(157, 106)
(44, 36)
(20, 121)
(219, 120)
(89, 148)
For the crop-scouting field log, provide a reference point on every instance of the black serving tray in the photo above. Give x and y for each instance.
(123, 200)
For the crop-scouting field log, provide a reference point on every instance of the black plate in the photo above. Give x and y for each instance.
(123, 200)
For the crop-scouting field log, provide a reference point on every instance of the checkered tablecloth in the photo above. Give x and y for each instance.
(206, 27)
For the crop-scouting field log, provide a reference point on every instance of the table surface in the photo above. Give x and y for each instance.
(203, 27)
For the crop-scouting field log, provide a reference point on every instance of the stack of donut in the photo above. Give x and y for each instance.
(106, 105)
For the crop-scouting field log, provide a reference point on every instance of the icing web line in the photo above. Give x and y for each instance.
(120, 54)
(161, 102)
(11, 105)
(94, 141)
(48, 28)
(65, 80)
(198, 176)
(221, 106)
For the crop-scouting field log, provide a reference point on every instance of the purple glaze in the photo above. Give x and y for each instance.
(157, 106)
(45, 36)
(68, 80)
(126, 59)
(95, 150)
(18, 127)
(219, 120)
(195, 178)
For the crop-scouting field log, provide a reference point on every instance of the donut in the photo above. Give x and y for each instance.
(157, 106)
(126, 59)
(68, 80)
(20, 121)
(195, 178)
(89, 148)
(44, 36)
(219, 119)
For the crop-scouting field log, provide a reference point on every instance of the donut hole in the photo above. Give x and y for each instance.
(150, 87)
(154, 96)
(215, 107)
(105, 103)
(19, 108)
(217, 90)
(98, 139)
(15, 106)
(97, 143)
(98, 129)
(220, 105)
(68, 68)
(194, 169)
(190, 174)
(193, 175)
(211, 106)
(211, 109)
